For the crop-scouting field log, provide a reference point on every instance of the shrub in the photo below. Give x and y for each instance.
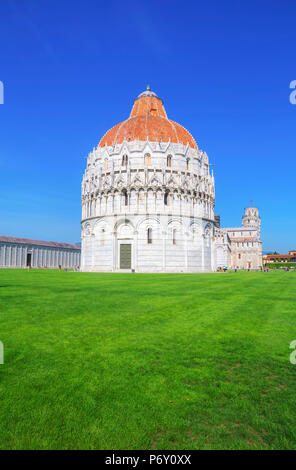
(279, 265)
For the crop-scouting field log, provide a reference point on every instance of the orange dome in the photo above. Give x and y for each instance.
(148, 121)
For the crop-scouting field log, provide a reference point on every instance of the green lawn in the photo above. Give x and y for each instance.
(147, 361)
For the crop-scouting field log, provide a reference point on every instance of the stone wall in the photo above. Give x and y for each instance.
(135, 187)
(15, 256)
(173, 244)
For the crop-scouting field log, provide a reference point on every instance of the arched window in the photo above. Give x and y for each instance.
(149, 235)
(187, 163)
(174, 236)
(125, 198)
(169, 161)
(105, 164)
(124, 160)
(147, 159)
(207, 237)
(165, 199)
(102, 237)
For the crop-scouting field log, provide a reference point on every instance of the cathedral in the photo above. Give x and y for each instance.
(148, 202)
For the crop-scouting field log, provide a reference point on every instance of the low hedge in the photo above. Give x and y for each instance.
(279, 265)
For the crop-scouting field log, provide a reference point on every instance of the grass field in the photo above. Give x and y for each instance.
(144, 361)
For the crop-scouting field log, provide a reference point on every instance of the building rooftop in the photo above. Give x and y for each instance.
(148, 121)
(243, 239)
(278, 256)
(240, 229)
(30, 241)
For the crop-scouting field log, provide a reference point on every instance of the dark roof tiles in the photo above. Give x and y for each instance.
(30, 241)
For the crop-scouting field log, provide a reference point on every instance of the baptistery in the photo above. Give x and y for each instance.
(148, 197)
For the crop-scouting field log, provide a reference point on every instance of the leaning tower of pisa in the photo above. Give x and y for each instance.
(251, 218)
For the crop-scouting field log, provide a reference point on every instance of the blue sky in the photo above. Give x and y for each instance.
(71, 70)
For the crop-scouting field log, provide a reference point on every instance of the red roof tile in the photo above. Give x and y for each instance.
(148, 121)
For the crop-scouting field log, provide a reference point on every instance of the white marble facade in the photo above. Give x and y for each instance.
(22, 252)
(245, 244)
(148, 206)
(166, 213)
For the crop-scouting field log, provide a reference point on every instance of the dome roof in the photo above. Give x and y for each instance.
(148, 121)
